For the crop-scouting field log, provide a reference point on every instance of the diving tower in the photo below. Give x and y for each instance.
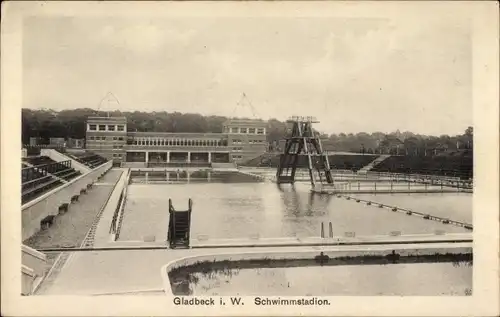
(303, 140)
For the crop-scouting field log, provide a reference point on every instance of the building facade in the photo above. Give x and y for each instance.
(240, 140)
(107, 136)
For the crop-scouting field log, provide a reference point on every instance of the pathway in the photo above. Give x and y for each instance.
(71, 228)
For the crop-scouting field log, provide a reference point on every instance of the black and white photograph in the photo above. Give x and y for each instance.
(268, 155)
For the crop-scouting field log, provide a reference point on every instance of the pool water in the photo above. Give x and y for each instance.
(239, 207)
(429, 279)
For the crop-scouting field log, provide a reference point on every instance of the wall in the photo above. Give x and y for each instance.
(58, 157)
(34, 264)
(27, 279)
(48, 204)
(35, 260)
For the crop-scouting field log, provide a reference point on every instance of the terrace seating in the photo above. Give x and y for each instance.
(44, 176)
(89, 159)
(39, 160)
(345, 162)
(456, 165)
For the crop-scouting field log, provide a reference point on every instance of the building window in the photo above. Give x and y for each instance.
(260, 131)
(111, 128)
(243, 130)
(120, 128)
(120, 138)
(91, 138)
(234, 130)
(92, 127)
(115, 138)
(102, 127)
(251, 130)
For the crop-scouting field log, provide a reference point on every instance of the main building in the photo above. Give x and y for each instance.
(239, 141)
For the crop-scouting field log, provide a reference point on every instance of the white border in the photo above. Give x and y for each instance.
(484, 20)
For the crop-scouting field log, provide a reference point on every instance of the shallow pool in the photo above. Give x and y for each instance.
(422, 279)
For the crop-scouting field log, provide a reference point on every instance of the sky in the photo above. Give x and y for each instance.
(353, 74)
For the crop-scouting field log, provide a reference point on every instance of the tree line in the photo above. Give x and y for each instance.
(46, 124)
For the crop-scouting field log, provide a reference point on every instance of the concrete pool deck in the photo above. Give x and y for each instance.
(119, 271)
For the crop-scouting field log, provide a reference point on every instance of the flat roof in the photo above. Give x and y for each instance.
(107, 119)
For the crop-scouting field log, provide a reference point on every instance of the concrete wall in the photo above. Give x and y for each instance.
(27, 279)
(33, 266)
(48, 204)
(58, 157)
(124, 184)
(35, 260)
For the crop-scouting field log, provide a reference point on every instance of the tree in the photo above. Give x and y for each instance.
(46, 123)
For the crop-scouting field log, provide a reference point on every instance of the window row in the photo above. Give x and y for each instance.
(115, 138)
(117, 155)
(245, 130)
(237, 156)
(237, 149)
(106, 127)
(177, 142)
(238, 141)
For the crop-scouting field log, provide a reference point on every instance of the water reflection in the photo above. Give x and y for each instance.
(292, 201)
(416, 275)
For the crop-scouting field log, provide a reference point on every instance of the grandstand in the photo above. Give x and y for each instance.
(455, 164)
(41, 174)
(88, 159)
(341, 162)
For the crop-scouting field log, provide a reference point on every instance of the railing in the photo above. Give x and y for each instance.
(395, 187)
(38, 179)
(34, 172)
(414, 176)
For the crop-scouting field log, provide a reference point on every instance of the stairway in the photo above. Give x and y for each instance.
(179, 226)
(373, 163)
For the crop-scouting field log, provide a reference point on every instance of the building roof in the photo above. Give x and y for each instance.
(177, 134)
(107, 119)
(249, 122)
